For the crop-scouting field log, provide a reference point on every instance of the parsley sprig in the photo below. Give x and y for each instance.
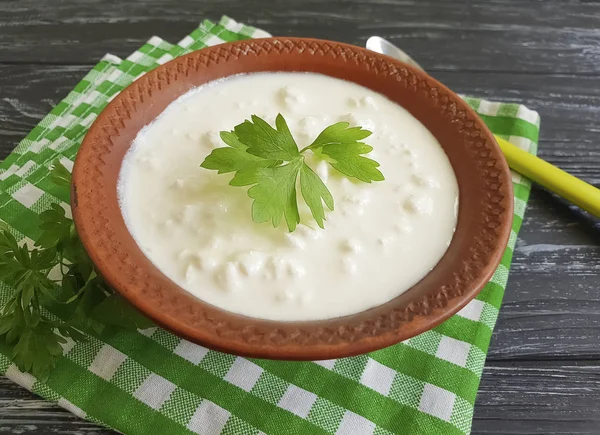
(57, 292)
(268, 159)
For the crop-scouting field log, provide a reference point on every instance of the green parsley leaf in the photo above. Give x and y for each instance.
(25, 271)
(340, 133)
(38, 348)
(347, 159)
(230, 138)
(274, 193)
(8, 245)
(340, 143)
(264, 141)
(82, 308)
(61, 178)
(117, 311)
(235, 159)
(83, 303)
(315, 193)
(60, 175)
(55, 227)
(247, 177)
(268, 159)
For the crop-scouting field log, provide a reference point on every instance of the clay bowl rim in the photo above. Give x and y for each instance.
(483, 228)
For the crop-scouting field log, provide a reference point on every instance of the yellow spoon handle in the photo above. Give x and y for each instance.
(558, 181)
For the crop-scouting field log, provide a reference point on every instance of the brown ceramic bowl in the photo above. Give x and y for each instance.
(484, 218)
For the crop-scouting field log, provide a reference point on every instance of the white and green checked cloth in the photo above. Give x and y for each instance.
(152, 382)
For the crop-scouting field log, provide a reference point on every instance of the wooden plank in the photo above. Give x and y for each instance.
(569, 106)
(22, 412)
(27, 94)
(505, 35)
(551, 308)
(532, 397)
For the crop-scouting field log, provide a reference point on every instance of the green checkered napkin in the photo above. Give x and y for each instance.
(152, 382)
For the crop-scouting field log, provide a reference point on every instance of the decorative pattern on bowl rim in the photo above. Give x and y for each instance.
(121, 262)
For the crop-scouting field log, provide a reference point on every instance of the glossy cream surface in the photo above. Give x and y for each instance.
(380, 240)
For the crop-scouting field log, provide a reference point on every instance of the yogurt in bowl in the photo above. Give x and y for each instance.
(179, 243)
(380, 239)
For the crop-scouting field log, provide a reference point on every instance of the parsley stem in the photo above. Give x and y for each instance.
(268, 160)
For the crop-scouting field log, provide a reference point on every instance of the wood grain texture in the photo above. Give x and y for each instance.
(21, 412)
(569, 106)
(533, 397)
(551, 36)
(543, 369)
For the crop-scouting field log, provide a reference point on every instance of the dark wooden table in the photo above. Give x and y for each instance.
(543, 370)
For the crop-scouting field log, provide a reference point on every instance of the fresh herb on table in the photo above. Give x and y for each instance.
(268, 159)
(57, 292)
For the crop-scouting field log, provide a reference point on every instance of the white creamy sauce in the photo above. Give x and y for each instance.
(381, 238)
